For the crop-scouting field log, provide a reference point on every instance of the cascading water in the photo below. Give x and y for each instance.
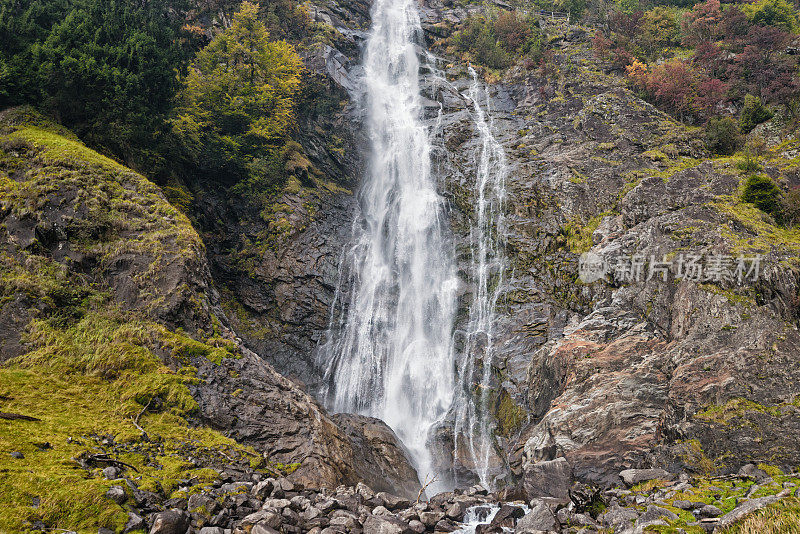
(473, 424)
(389, 352)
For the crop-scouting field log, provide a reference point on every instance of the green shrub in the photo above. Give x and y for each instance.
(722, 135)
(753, 113)
(479, 41)
(498, 41)
(762, 192)
(749, 162)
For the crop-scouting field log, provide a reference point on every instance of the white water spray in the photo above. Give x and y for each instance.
(389, 353)
(474, 426)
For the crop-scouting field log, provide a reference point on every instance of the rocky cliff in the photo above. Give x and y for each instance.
(672, 373)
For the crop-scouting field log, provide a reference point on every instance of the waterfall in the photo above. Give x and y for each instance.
(389, 352)
(474, 426)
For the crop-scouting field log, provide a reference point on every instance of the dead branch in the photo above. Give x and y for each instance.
(425, 485)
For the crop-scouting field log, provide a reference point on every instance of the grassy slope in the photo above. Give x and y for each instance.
(91, 367)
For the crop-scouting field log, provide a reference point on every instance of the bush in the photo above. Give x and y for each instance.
(753, 113)
(722, 135)
(478, 40)
(762, 192)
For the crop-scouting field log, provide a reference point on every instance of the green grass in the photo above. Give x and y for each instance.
(91, 367)
(764, 235)
(782, 517)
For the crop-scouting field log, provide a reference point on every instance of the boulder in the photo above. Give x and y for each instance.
(385, 525)
(393, 502)
(539, 518)
(631, 477)
(135, 522)
(117, 494)
(380, 458)
(744, 509)
(170, 522)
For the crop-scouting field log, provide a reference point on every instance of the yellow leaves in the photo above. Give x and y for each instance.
(240, 94)
(637, 73)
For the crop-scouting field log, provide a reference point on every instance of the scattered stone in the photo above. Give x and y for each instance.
(263, 529)
(752, 471)
(430, 518)
(709, 510)
(416, 526)
(263, 489)
(18, 455)
(212, 530)
(618, 518)
(653, 513)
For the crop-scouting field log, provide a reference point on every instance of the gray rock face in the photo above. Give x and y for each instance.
(380, 459)
(274, 415)
(548, 479)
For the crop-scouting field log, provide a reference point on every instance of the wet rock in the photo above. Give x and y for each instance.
(379, 457)
(456, 511)
(445, 525)
(507, 516)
